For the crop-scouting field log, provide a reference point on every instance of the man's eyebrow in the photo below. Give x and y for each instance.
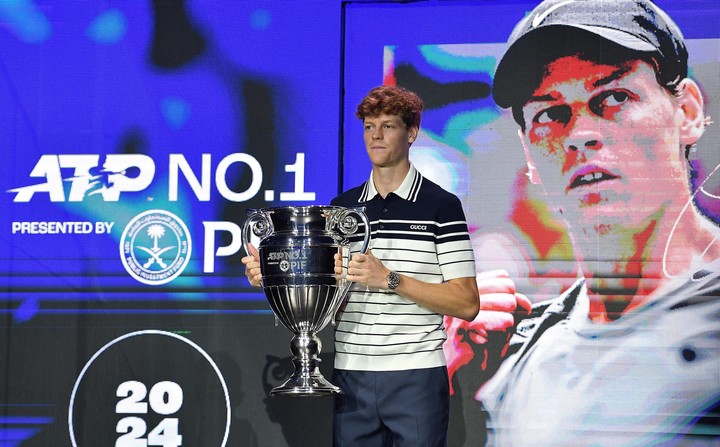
(617, 74)
(540, 98)
(381, 122)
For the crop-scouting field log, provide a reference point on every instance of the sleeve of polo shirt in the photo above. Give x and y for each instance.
(454, 250)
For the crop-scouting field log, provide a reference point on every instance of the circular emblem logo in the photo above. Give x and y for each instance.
(155, 247)
(150, 388)
(284, 265)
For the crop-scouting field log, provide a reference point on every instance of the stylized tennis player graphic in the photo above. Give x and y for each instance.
(607, 115)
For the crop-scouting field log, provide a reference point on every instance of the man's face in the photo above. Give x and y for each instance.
(388, 139)
(605, 141)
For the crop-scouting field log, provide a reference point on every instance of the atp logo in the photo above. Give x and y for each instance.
(155, 247)
(116, 174)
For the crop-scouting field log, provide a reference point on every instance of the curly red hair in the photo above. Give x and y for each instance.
(392, 100)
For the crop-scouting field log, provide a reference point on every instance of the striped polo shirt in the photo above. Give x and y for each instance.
(418, 231)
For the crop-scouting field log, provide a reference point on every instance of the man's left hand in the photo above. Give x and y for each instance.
(367, 269)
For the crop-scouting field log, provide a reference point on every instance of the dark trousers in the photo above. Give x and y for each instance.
(401, 408)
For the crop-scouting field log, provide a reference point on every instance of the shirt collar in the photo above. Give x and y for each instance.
(408, 189)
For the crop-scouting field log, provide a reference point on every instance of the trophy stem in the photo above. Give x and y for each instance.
(307, 379)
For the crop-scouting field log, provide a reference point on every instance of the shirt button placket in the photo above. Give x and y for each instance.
(384, 210)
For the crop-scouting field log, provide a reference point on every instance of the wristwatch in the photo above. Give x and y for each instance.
(393, 280)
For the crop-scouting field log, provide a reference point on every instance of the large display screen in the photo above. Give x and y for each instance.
(470, 146)
(136, 136)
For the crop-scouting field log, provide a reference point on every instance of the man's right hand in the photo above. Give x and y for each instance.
(252, 267)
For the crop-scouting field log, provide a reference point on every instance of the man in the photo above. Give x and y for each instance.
(629, 355)
(388, 354)
(389, 358)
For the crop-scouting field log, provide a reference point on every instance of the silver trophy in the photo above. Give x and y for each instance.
(297, 247)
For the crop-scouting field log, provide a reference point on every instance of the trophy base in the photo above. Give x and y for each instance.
(315, 385)
(306, 379)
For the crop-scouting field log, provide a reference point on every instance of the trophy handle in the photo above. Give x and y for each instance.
(259, 222)
(261, 225)
(348, 225)
(366, 240)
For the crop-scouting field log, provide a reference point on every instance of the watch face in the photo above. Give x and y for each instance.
(393, 280)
